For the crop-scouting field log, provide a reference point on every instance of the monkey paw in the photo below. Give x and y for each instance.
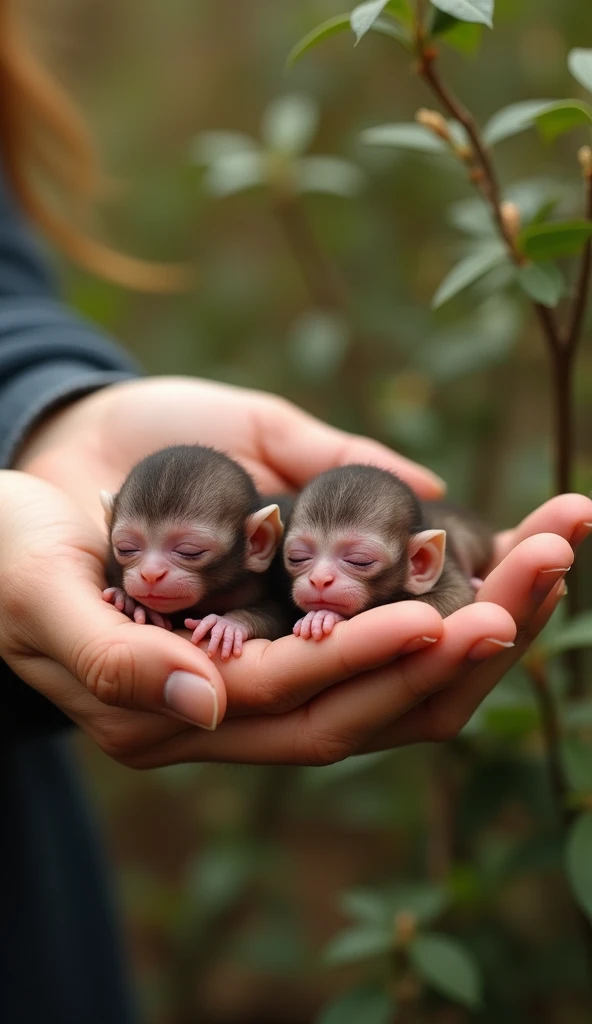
(317, 624)
(223, 631)
(133, 610)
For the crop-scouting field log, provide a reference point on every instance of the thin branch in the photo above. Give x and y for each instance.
(539, 678)
(320, 276)
(578, 311)
(487, 181)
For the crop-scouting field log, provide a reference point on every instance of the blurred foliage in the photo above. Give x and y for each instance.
(317, 257)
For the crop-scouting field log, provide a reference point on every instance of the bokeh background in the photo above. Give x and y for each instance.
(230, 877)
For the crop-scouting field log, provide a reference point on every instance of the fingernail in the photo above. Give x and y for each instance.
(193, 698)
(488, 646)
(546, 579)
(418, 643)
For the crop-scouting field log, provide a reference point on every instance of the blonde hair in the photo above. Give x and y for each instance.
(44, 140)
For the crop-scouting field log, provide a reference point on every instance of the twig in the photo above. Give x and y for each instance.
(578, 311)
(538, 674)
(320, 275)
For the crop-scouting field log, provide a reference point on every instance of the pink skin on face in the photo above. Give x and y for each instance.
(330, 578)
(159, 568)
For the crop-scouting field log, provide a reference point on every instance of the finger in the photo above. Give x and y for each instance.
(317, 626)
(306, 626)
(524, 578)
(216, 635)
(328, 624)
(340, 719)
(525, 587)
(227, 643)
(238, 644)
(442, 716)
(139, 615)
(299, 447)
(568, 515)
(109, 595)
(203, 627)
(297, 627)
(276, 677)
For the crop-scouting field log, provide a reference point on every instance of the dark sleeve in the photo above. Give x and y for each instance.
(48, 356)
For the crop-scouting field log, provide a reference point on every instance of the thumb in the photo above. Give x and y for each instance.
(149, 669)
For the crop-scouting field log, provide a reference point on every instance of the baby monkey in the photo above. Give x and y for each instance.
(358, 537)
(191, 541)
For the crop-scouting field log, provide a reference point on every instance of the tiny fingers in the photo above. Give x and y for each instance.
(139, 615)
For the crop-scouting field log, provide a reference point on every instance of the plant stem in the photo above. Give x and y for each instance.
(562, 348)
(320, 276)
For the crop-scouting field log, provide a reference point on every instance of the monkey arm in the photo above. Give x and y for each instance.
(267, 620)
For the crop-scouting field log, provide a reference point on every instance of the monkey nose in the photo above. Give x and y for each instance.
(152, 575)
(321, 579)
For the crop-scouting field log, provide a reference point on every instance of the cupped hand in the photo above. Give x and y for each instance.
(92, 444)
(138, 690)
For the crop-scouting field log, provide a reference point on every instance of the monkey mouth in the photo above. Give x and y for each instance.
(324, 606)
(158, 599)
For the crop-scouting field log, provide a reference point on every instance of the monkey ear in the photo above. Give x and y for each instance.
(107, 500)
(264, 530)
(426, 552)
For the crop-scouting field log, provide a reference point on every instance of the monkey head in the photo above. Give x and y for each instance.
(188, 522)
(355, 539)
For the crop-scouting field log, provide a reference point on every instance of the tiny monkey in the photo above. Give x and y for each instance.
(358, 537)
(191, 542)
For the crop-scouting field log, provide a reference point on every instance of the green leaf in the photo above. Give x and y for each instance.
(367, 1004)
(542, 282)
(329, 174)
(464, 37)
(318, 343)
(448, 967)
(289, 124)
(563, 117)
(461, 35)
(579, 63)
(208, 147)
(331, 27)
(235, 172)
(579, 861)
(442, 22)
(576, 633)
(363, 17)
(468, 10)
(578, 716)
(577, 761)
(468, 271)
(379, 907)
(513, 119)
(471, 216)
(341, 23)
(542, 242)
(358, 944)
(404, 136)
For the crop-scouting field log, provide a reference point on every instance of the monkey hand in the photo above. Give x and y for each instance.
(317, 624)
(126, 604)
(224, 630)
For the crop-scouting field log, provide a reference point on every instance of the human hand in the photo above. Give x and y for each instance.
(92, 444)
(282, 702)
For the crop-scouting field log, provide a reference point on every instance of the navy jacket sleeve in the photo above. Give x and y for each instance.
(48, 356)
